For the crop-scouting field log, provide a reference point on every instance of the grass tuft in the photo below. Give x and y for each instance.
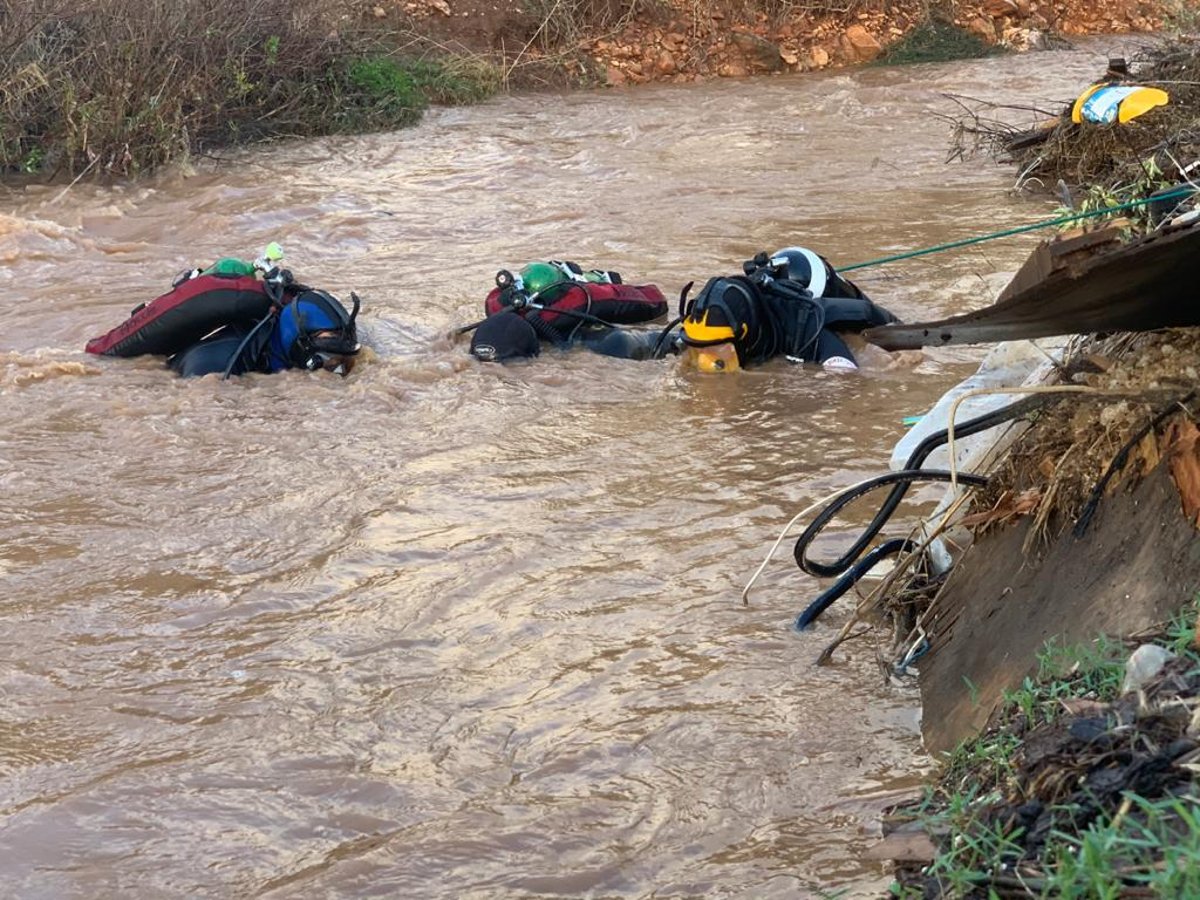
(937, 40)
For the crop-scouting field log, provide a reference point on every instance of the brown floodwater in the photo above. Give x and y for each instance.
(448, 629)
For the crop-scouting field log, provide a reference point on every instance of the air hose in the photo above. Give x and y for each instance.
(237, 354)
(915, 459)
(846, 565)
(662, 344)
(847, 581)
(685, 307)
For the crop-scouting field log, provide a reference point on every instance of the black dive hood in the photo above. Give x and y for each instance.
(319, 324)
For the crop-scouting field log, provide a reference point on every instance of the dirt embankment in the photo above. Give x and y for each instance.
(1087, 527)
(599, 41)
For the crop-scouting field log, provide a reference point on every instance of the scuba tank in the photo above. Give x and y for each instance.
(230, 267)
(539, 277)
(542, 277)
(233, 267)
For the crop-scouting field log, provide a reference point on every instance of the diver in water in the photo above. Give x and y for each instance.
(225, 319)
(559, 304)
(311, 332)
(790, 303)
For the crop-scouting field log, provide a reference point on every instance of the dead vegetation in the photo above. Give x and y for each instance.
(1056, 154)
(120, 86)
(1079, 446)
(112, 88)
(1134, 402)
(1084, 784)
(1133, 406)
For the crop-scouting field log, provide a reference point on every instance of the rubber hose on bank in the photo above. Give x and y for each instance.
(892, 501)
(850, 578)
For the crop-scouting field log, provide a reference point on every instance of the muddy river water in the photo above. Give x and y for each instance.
(448, 629)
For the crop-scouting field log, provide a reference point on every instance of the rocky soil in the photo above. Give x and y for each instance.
(602, 41)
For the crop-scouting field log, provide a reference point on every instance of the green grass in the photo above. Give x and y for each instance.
(1148, 844)
(454, 81)
(384, 92)
(1156, 847)
(976, 852)
(936, 40)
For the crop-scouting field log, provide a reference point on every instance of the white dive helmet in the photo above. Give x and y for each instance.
(803, 266)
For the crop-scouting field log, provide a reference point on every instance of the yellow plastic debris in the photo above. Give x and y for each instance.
(1103, 104)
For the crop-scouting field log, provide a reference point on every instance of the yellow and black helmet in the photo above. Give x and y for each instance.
(720, 325)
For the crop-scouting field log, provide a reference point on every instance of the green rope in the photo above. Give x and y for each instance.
(1008, 232)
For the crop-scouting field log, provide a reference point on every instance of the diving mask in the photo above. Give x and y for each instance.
(330, 350)
(712, 357)
(709, 342)
(336, 363)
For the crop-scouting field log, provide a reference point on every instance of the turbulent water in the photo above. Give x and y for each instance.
(448, 629)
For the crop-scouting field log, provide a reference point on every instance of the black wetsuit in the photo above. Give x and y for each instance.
(624, 343)
(215, 352)
(779, 317)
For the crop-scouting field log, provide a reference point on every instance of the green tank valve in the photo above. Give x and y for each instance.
(272, 256)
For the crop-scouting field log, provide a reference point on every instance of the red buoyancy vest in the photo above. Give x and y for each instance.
(179, 318)
(617, 304)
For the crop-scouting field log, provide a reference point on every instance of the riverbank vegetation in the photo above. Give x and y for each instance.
(1084, 781)
(108, 87)
(122, 86)
(1085, 785)
(937, 39)
(1093, 166)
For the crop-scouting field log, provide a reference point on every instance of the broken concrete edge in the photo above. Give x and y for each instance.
(1071, 287)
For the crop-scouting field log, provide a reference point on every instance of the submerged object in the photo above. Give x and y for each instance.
(614, 303)
(504, 336)
(560, 303)
(1105, 103)
(1077, 285)
(228, 292)
(220, 320)
(312, 331)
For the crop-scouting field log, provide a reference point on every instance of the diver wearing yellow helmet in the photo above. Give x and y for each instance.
(790, 303)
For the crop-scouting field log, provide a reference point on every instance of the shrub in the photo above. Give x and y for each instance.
(936, 40)
(381, 94)
(454, 81)
(118, 86)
